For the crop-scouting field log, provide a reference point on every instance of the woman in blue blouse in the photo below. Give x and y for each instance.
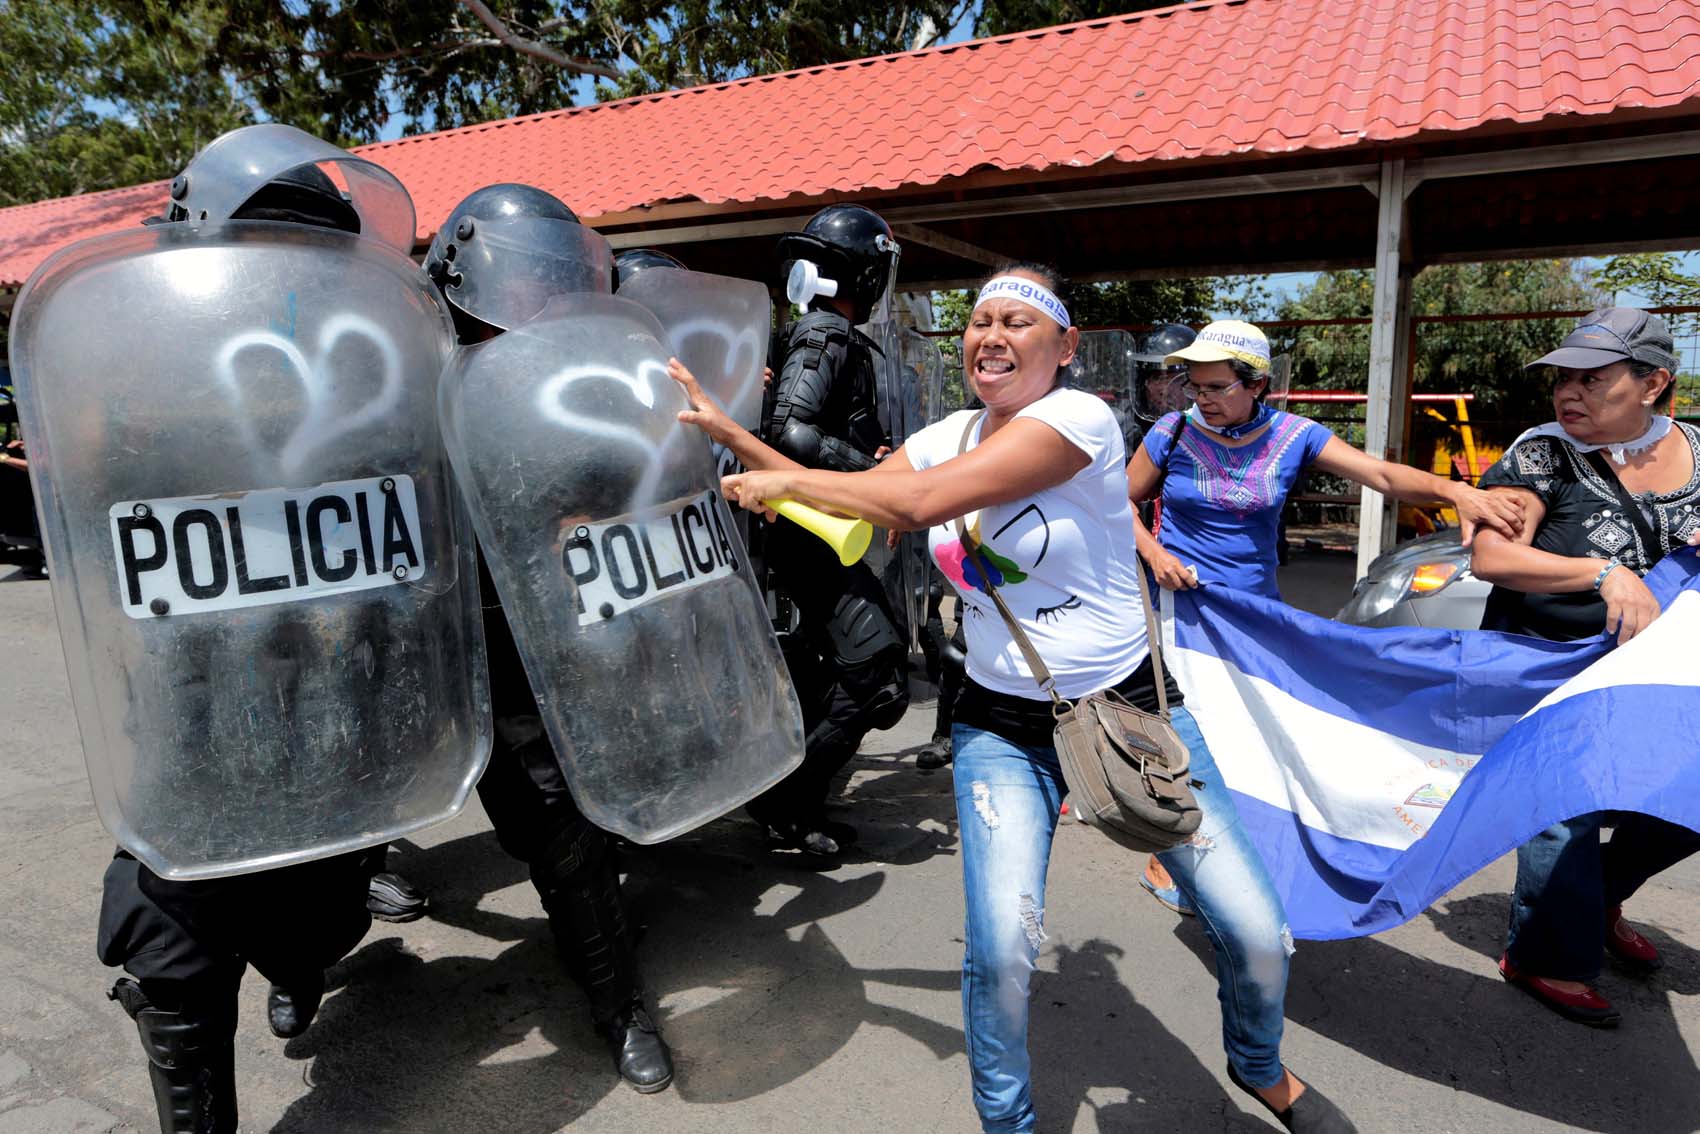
(1224, 469)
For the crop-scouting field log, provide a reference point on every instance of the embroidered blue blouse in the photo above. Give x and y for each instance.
(1222, 503)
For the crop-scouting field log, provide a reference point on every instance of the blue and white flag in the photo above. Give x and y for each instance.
(1377, 769)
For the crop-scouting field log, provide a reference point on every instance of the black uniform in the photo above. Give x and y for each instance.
(524, 790)
(823, 416)
(538, 822)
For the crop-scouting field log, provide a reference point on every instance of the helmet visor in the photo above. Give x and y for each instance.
(503, 272)
(235, 166)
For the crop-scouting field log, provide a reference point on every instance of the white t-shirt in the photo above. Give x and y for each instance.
(1066, 556)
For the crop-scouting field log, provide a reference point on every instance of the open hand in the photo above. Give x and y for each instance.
(704, 413)
(1501, 511)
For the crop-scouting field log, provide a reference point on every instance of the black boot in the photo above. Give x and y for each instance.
(581, 894)
(191, 1060)
(935, 754)
(289, 1011)
(641, 1056)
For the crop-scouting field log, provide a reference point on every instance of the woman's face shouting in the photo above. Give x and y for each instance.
(1011, 351)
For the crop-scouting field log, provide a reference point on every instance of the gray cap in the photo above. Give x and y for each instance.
(1614, 334)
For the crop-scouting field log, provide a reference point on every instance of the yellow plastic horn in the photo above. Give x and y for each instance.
(844, 534)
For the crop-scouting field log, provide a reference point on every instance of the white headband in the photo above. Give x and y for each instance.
(1027, 291)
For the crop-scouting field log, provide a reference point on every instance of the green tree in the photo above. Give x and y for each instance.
(1656, 277)
(1483, 358)
(1002, 17)
(113, 92)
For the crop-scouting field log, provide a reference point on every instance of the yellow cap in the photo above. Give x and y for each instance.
(1226, 340)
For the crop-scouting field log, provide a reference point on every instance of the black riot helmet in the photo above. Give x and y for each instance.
(507, 249)
(1156, 387)
(634, 260)
(303, 195)
(847, 246)
(273, 172)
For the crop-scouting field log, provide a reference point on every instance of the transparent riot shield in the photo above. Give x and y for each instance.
(923, 359)
(263, 576)
(1280, 381)
(1104, 365)
(920, 400)
(645, 637)
(719, 326)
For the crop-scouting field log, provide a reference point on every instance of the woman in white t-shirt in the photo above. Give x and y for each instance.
(1039, 478)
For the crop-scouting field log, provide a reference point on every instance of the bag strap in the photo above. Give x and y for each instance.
(1631, 508)
(1042, 673)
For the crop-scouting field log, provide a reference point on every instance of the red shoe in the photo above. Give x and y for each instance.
(1585, 1007)
(1633, 951)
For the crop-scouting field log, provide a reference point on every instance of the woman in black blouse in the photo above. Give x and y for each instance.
(1608, 489)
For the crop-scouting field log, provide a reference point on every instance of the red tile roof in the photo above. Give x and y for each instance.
(1209, 79)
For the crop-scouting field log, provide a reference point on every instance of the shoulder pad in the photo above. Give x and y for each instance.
(821, 319)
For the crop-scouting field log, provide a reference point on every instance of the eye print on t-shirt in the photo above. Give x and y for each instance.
(1024, 527)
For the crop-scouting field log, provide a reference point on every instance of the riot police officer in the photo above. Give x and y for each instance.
(1157, 385)
(850, 660)
(229, 678)
(524, 791)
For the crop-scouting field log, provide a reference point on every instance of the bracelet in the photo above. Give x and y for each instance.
(1599, 580)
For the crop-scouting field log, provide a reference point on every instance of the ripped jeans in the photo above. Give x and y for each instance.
(1007, 799)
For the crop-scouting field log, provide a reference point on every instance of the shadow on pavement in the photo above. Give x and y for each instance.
(754, 992)
(1470, 1031)
(1127, 1049)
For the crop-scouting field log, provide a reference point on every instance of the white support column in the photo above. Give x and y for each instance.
(1389, 334)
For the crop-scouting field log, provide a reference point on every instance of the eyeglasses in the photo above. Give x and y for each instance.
(1208, 393)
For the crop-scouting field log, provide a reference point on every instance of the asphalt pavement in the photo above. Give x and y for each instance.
(804, 999)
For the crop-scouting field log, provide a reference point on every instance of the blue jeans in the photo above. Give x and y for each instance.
(1007, 799)
(1566, 881)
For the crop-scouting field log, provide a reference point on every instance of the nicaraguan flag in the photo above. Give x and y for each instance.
(1377, 769)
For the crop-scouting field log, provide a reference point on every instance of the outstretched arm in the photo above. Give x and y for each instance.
(1476, 509)
(1022, 458)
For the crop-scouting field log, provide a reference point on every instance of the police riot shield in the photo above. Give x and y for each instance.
(720, 327)
(906, 569)
(923, 359)
(1280, 381)
(1104, 365)
(262, 573)
(648, 646)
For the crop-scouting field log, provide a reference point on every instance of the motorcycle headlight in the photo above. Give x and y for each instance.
(1375, 597)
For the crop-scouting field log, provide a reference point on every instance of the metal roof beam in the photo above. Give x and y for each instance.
(1292, 181)
(1651, 147)
(950, 245)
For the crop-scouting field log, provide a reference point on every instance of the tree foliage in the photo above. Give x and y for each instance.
(1656, 277)
(1484, 358)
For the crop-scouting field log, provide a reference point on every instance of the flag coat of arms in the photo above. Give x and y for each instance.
(1376, 769)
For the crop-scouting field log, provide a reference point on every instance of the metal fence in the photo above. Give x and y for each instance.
(1469, 394)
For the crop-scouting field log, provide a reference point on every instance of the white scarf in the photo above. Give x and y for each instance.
(1620, 451)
